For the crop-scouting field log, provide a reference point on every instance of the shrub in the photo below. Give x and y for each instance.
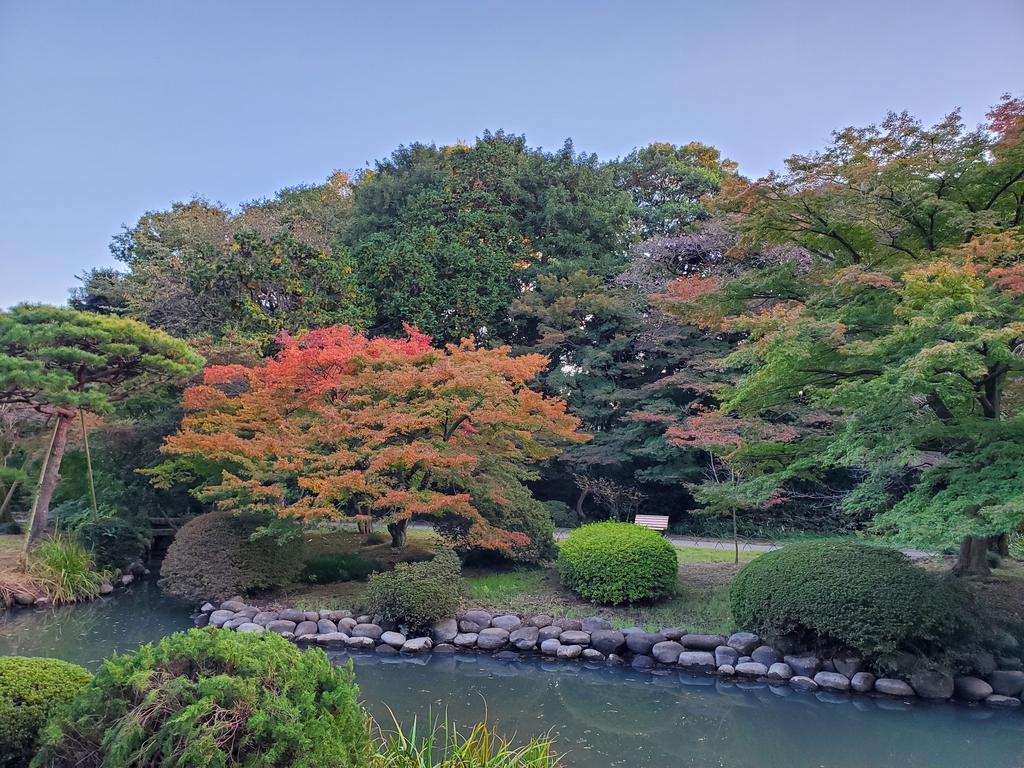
(212, 698)
(443, 745)
(65, 569)
(30, 691)
(12, 528)
(337, 566)
(868, 598)
(115, 541)
(215, 556)
(416, 595)
(561, 514)
(614, 563)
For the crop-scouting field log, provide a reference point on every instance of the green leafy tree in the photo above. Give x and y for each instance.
(904, 322)
(61, 362)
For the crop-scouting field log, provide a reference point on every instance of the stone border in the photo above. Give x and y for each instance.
(741, 656)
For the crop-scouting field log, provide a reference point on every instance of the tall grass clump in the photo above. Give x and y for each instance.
(443, 745)
(65, 569)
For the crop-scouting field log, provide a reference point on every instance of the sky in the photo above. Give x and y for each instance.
(111, 109)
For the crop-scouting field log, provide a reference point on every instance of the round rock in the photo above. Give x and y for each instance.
(967, 688)
(394, 639)
(751, 669)
(574, 637)
(667, 651)
(306, 628)
(890, 686)
(700, 661)
(594, 623)
(832, 681)
(372, 631)
(643, 642)
(765, 654)
(507, 622)
(780, 670)
(417, 645)
(281, 626)
(1007, 682)
(525, 638)
(491, 639)
(701, 642)
(931, 684)
(444, 631)
(550, 646)
(803, 664)
(465, 640)
(862, 682)
(607, 641)
(725, 654)
(743, 642)
(569, 651)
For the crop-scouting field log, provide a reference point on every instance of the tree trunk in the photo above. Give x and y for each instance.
(6, 516)
(1000, 544)
(735, 537)
(973, 557)
(48, 477)
(88, 464)
(398, 533)
(579, 503)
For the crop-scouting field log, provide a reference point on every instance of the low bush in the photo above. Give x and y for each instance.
(215, 556)
(338, 566)
(65, 569)
(115, 541)
(415, 595)
(212, 698)
(443, 745)
(12, 528)
(868, 598)
(561, 514)
(613, 563)
(31, 690)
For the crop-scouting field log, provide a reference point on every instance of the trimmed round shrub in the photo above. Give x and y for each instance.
(613, 563)
(847, 594)
(214, 557)
(31, 690)
(212, 698)
(415, 595)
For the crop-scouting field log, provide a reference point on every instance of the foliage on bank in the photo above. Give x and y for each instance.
(615, 563)
(31, 690)
(415, 595)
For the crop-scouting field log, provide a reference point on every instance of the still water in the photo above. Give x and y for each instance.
(599, 717)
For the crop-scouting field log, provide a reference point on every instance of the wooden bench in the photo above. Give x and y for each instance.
(654, 522)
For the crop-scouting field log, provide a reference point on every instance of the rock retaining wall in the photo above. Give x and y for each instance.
(742, 655)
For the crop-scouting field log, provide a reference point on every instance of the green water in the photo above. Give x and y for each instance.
(599, 717)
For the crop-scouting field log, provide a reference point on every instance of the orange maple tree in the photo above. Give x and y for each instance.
(338, 424)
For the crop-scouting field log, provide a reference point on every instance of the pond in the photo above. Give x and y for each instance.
(599, 717)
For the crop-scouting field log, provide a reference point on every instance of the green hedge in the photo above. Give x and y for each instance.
(415, 595)
(213, 698)
(868, 598)
(613, 563)
(30, 691)
(214, 557)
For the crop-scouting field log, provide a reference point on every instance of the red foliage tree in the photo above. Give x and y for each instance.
(338, 424)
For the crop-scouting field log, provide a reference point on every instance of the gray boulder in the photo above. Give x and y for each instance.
(364, 619)
(765, 654)
(220, 618)
(862, 682)
(465, 640)
(525, 638)
(265, 617)
(491, 639)
(372, 631)
(250, 627)
(848, 664)
(832, 681)
(804, 664)
(567, 624)
(386, 650)
(550, 646)
(106, 588)
(332, 640)
(444, 631)
(642, 661)
(417, 645)
(607, 641)
(306, 628)
(667, 651)
(444, 648)
(643, 642)
(1007, 682)
(248, 612)
(326, 626)
(507, 622)
(672, 633)
(751, 669)
(743, 642)
(780, 670)
(232, 605)
(701, 642)
(281, 626)
(803, 683)
(725, 654)
(290, 614)
(594, 623)
(394, 639)
(931, 684)
(893, 687)
(967, 688)
(569, 651)
(202, 620)
(1003, 702)
(726, 670)
(465, 625)
(483, 618)
(361, 643)
(550, 632)
(208, 608)
(574, 637)
(540, 620)
(345, 624)
(698, 661)
(589, 654)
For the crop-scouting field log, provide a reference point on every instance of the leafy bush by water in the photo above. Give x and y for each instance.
(214, 698)
(871, 599)
(613, 563)
(443, 746)
(338, 566)
(30, 691)
(65, 569)
(214, 556)
(417, 594)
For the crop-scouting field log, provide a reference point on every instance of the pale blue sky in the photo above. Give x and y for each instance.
(109, 109)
